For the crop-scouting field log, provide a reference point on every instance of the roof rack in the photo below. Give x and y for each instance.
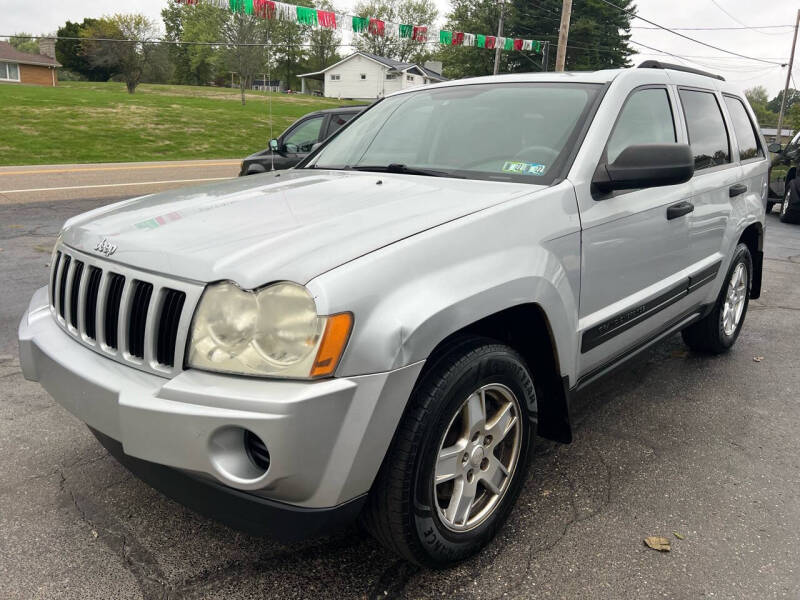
(655, 64)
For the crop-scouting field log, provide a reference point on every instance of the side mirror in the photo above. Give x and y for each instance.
(774, 147)
(646, 165)
(273, 145)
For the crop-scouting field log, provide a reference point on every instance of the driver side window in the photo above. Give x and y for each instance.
(304, 136)
(646, 118)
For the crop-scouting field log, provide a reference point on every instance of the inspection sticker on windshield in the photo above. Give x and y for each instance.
(523, 168)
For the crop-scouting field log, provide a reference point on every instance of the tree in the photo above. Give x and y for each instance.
(128, 57)
(286, 52)
(598, 37)
(758, 99)
(757, 95)
(792, 97)
(194, 64)
(245, 35)
(410, 12)
(24, 42)
(70, 55)
(323, 43)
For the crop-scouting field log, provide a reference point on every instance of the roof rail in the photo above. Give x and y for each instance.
(655, 64)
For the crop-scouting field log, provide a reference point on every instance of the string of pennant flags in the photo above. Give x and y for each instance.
(424, 34)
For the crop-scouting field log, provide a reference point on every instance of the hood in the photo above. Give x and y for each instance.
(292, 225)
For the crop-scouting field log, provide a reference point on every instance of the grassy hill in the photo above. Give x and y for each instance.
(79, 122)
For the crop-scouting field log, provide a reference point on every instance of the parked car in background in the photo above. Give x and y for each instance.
(296, 143)
(385, 330)
(784, 185)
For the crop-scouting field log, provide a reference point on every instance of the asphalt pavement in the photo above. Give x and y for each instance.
(705, 448)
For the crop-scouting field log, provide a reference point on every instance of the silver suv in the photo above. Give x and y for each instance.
(383, 332)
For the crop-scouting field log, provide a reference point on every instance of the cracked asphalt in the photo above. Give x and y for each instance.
(708, 448)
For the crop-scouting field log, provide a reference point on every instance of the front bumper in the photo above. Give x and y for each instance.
(326, 438)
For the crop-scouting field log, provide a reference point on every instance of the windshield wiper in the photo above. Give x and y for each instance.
(405, 170)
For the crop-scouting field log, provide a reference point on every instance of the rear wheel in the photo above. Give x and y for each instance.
(770, 205)
(718, 330)
(459, 456)
(790, 213)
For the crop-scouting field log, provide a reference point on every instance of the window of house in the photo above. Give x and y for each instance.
(9, 71)
(743, 128)
(363, 76)
(409, 78)
(646, 118)
(708, 136)
(335, 77)
(390, 76)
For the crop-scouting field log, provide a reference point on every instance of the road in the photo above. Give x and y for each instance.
(705, 447)
(106, 181)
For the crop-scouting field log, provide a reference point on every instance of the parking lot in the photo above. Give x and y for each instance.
(705, 448)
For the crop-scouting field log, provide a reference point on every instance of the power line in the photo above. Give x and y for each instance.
(734, 19)
(716, 28)
(691, 39)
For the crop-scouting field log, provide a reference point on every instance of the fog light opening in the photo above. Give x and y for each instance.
(256, 450)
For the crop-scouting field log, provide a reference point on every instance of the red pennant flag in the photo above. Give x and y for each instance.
(490, 41)
(517, 44)
(458, 38)
(326, 19)
(376, 27)
(264, 9)
(420, 33)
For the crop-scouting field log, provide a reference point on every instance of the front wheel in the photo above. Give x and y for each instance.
(718, 330)
(459, 456)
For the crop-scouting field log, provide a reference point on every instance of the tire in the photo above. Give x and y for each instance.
(713, 334)
(770, 205)
(790, 210)
(413, 516)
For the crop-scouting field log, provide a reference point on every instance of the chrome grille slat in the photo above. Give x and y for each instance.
(133, 317)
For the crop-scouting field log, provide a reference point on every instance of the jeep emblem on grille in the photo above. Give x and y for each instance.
(105, 247)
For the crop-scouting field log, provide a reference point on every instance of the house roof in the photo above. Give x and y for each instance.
(386, 62)
(774, 131)
(10, 54)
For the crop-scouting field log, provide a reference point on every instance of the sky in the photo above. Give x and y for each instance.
(772, 45)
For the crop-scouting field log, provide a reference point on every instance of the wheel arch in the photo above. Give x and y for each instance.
(526, 328)
(753, 237)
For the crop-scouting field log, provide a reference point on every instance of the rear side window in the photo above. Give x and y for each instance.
(646, 118)
(708, 136)
(743, 128)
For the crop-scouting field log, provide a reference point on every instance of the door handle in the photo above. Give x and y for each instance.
(679, 209)
(736, 190)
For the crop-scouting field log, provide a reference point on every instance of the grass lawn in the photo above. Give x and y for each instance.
(79, 122)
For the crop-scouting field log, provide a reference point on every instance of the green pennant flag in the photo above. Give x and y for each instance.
(248, 7)
(537, 46)
(360, 24)
(446, 37)
(480, 40)
(306, 16)
(236, 5)
(509, 44)
(405, 31)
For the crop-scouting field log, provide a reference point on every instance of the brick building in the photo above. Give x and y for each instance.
(21, 67)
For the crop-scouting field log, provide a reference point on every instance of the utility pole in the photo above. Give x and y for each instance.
(499, 35)
(563, 34)
(788, 77)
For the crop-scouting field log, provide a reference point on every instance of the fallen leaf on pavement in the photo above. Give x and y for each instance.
(679, 354)
(758, 358)
(94, 533)
(658, 543)
(677, 535)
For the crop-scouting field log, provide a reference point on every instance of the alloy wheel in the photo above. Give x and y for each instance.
(734, 300)
(477, 457)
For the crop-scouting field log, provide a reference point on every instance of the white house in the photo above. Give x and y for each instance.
(367, 76)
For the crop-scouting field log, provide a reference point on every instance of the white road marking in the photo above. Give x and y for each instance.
(108, 185)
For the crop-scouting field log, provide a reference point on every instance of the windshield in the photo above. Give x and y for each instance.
(504, 132)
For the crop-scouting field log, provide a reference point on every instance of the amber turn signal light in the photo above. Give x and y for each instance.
(334, 339)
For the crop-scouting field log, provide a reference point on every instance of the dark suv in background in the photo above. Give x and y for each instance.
(784, 185)
(296, 143)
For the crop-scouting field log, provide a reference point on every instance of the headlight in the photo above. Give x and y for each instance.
(273, 332)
